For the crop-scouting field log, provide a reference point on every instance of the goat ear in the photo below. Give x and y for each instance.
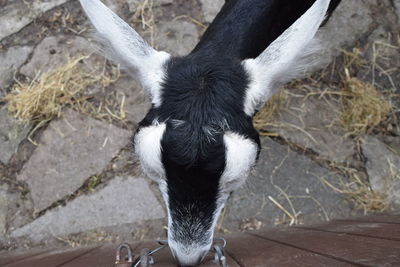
(124, 45)
(284, 58)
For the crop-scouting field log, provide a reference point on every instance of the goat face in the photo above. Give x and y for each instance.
(197, 141)
(199, 145)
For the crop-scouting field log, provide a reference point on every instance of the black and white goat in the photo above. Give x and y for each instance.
(197, 141)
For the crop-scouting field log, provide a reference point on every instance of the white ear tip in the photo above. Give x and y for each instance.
(87, 3)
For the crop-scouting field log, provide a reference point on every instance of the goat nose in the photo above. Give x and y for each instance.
(189, 259)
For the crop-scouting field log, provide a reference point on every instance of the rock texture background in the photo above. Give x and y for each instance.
(81, 184)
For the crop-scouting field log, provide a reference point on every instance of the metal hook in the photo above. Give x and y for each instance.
(145, 258)
(221, 239)
(219, 255)
(118, 254)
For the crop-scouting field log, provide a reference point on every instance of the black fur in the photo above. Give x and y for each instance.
(244, 28)
(202, 98)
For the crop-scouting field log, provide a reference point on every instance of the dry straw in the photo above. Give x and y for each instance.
(266, 115)
(359, 191)
(43, 98)
(364, 107)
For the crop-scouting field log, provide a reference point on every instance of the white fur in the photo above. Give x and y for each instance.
(148, 149)
(280, 61)
(125, 46)
(188, 254)
(241, 154)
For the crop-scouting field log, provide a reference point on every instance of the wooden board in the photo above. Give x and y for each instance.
(357, 250)
(53, 258)
(252, 251)
(366, 229)
(365, 241)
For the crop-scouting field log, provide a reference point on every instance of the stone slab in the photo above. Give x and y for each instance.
(383, 51)
(124, 200)
(12, 133)
(351, 20)
(15, 210)
(310, 123)
(176, 37)
(281, 171)
(133, 4)
(3, 210)
(397, 5)
(71, 149)
(10, 61)
(19, 14)
(55, 51)
(137, 103)
(383, 168)
(211, 8)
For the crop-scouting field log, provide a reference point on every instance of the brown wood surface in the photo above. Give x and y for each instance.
(366, 229)
(357, 250)
(365, 241)
(54, 258)
(10, 257)
(103, 256)
(389, 219)
(252, 251)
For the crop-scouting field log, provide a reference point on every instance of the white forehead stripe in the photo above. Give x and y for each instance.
(148, 148)
(241, 154)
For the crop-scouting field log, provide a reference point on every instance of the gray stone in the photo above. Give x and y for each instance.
(15, 210)
(211, 8)
(55, 51)
(384, 53)
(393, 142)
(20, 210)
(136, 103)
(19, 14)
(122, 201)
(3, 210)
(177, 37)
(310, 123)
(12, 133)
(10, 61)
(397, 5)
(133, 4)
(281, 171)
(349, 22)
(72, 149)
(383, 168)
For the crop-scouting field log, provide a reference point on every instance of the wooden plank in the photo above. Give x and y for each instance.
(255, 252)
(103, 256)
(366, 241)
(363, 251)
(367, 229)
(11, 257)
(52, 259)
(377, 218)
